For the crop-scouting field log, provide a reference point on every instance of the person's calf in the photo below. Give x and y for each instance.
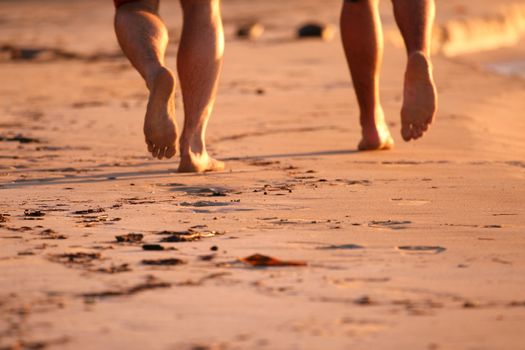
(202, 46)
(143, 37)
(190, 5)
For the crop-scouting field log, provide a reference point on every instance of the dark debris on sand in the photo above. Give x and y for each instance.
(364, 301)
(259, 260)
(37, 344)
(152, 247)
(163, 262)
(151, 283)
(207, 257)
(287, 188)
(179, 236)
(49, 54)
(130, 238)
(88, 211)
(4, 217)
(18, 138)
(114, 269)
(422, 248)
(211, 192)
(33, 213)
(51, 234)
(76, 259)
(189, 235)
(90, 217)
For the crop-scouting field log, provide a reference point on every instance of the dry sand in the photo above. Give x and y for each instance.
(421, 247)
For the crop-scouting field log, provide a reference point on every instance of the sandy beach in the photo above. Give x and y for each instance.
(103, 247)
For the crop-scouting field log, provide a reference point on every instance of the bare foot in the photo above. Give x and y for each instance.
(195, 159)
(420, 97)
(376, 135)
(198, 163)
(160, 126)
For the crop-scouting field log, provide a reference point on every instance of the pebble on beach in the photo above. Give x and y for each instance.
(250, 31)
(325, 32)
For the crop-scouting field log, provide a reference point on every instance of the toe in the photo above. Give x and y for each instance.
(150, 145)
(216, 165)
(170, 152)
(406, 132)
(362, 146)
(162, 151)
(155, 151)
(417, 132)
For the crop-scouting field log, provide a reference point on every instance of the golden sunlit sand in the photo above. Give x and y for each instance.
(301, 242)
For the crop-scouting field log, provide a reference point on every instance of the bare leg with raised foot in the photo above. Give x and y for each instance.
(199, 66)
(415, 19)
(363, 44)
(143, 38)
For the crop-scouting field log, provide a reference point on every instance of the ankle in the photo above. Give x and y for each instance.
(192, 145)
(419, 53)
(371, 117)
(153, 74)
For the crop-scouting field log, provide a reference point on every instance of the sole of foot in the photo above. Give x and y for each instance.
(160, 128)
(420, 97)
(192, 163)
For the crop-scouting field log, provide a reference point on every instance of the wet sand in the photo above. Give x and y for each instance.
(420, 247)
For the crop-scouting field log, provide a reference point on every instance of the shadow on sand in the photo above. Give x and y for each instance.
(296, 155)
(71, 179)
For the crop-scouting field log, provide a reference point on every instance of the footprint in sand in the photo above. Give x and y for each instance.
(223, 207)
(390, 224)
(200, 204)
(422, 249)
(202, 191)
(341, 247)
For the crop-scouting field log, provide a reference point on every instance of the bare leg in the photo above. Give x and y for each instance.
(199, 66)
(363, 43)
(415, 19)
(143, 38)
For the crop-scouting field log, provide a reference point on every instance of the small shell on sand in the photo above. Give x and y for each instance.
(316, 30)
(251, 31)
